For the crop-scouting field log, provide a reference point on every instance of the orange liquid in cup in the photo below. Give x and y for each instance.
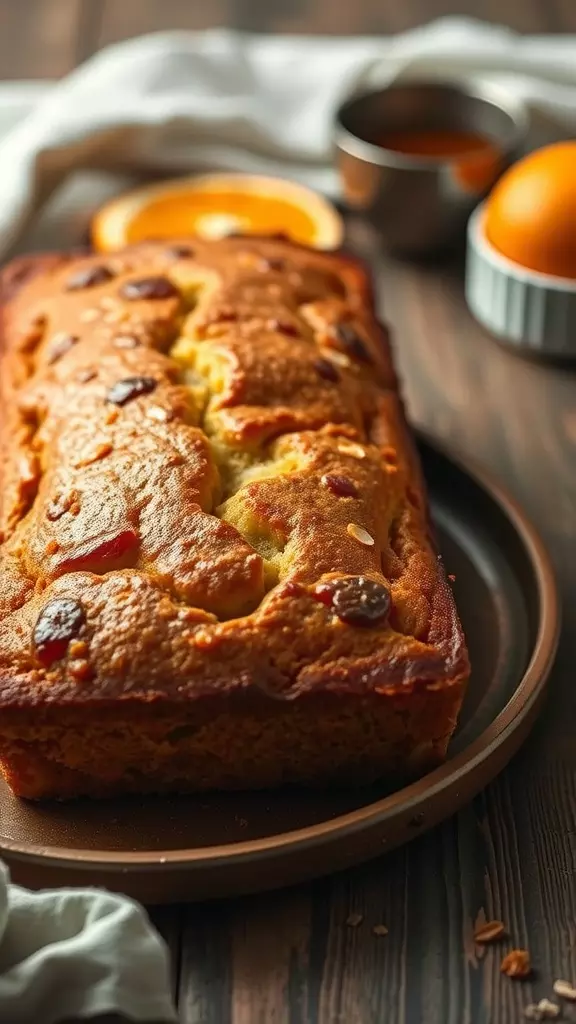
(476, 159)
(436, 143)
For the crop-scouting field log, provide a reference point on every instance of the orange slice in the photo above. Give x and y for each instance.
(215, 205)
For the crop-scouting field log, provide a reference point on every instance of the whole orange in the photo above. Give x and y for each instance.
(531, 212)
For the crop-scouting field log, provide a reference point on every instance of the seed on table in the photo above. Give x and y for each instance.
(350, 448)
(516, 964)
(360, 534)
(544, 1010)
(565, 990)
(489, 932)
(353, 920)
(88, 277)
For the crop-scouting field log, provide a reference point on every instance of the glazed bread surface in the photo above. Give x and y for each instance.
(216, 567)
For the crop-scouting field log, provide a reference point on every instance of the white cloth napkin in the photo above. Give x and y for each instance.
(180, 101)
(72, 954)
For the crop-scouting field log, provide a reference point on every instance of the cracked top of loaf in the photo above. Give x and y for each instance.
(207, 482)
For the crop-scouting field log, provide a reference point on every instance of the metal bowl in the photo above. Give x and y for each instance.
(419, 204)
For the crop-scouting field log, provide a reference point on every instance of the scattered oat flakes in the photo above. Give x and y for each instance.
(100, 452)
(353, 920)
(353, 449)
(339, 358)
(516, 964)
(115, 316)
(380, 929)
(155, 412)
(360, 534)
(491, 931)
(87, 315)
(544, 1010)
(451, 577)
(125, 341)
(548, 1009)
(565, 990)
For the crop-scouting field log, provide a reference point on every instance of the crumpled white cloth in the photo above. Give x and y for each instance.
(71, 954)
(179, 101)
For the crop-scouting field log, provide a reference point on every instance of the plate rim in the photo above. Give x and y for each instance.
(509, 719)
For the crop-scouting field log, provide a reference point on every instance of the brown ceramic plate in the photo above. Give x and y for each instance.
(165, 849)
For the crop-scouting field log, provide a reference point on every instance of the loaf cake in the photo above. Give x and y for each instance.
(217, 569)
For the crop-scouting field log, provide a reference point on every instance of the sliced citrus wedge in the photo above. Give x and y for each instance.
(215, 205)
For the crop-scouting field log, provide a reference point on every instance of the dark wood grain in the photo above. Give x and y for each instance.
(370, 17)
(125, 19)
(133, 17)
(290, 957)
(38, 37)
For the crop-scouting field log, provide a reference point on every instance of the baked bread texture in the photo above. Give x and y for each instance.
(216, 567)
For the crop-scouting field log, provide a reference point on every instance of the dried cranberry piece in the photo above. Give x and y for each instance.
(292, 589)
(351, 342)
(223, 315)
(324, 368)
(272, 263)
(283, 327)
(84, 376)
(149, 288)
(58, 623)
(181, 252)
(17, 272)
(61, 344)
(131, 387)
(413, 496)
(88, 277)
(341, 486)
(96, 554)
(324, 594)
(357, 600)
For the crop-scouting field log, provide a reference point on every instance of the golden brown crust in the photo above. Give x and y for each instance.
(193, 516)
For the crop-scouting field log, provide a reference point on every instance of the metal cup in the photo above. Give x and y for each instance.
(419, 204)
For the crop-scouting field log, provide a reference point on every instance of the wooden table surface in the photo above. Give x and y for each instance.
(288, 958)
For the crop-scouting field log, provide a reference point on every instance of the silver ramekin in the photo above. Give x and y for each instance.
(419, 204)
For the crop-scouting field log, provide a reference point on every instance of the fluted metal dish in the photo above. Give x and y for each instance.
(532, 311)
